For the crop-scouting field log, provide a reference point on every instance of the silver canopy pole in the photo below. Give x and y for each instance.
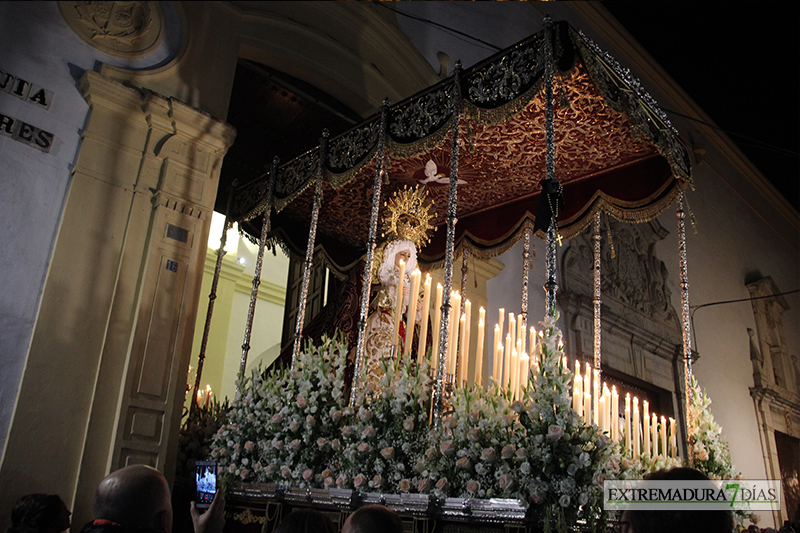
(266, 226)
(312, 235)
(373, 230)
(438, 398)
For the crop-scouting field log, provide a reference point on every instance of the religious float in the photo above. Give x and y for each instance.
(385, 402)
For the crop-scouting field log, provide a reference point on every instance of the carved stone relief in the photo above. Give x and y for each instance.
(122, 29)
(640, 335)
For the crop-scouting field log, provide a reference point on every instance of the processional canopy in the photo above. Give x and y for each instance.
(616, 151)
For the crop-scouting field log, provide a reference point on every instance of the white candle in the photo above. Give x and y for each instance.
(524, 368)
(587, 390)
(532, 348)
(636, 435)
(521, 332)
(512, 329)
(455, 313)
(479, 356)
(654, 434)
(602, 406)
(498, 347)
(423, 328)
(514, 379)
(468, 325)
(498, 354)
(411, 312)
(664, 435)
(437, 324)
(577, 381)
(596, 396)
(646, 431)
(398, 306)
(628, 440)
(463, 351)
(614, 413)
(507, 361)
(673, 438)
(587, 406)
(502, 313)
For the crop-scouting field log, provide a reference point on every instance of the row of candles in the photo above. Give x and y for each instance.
(642, 432)
(643, 435)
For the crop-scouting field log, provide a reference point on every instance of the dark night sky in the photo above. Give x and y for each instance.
(740, 61)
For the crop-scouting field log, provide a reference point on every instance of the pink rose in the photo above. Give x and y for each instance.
(336, 444)
(506, 482)
(554, 433)
(363, 447)
(507, 452)
(277, 418)
(295, 444)
(364, 415)
(521, 454)
(308, 474)
(341, 482)
(450, 422)
(244, 473)
(311, 421)
(278, 445)
(404, 485)
(328, 482)
(419, 467)
(488, 455)
(248, 446)
(464, 463)
(347, 431)
(430, 453)
(408, 424)
(473, 486)
(301, 402)
(232, 468)
(377, 481)
(294, 426)
(424, 485)
(251, 417)
(321, 442)
(370, 432)
(387, 453)
(474, 434)
(327, 473)
(236, 447)
(269, 470)
(359, 481)
(447, 448)
(442, 484)
(285, 472)
(336, 415)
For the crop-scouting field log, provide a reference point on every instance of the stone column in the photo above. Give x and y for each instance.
(105, 377)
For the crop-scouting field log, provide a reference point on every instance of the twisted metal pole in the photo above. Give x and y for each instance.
(266, 226)
(551, 287)
(438, 397)
(212, 297)
(597, 287)
(312, 236)
(687, 337)
(373, 230)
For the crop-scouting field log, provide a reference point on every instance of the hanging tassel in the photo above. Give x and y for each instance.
(692, 220)
(610, 240)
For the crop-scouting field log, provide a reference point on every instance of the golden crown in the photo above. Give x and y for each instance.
(408, 216)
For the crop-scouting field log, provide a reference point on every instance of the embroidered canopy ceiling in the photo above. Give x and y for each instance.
(615, 151)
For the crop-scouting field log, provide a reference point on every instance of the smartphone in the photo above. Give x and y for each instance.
(205, 475)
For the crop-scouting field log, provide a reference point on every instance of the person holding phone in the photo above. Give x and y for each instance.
(137, 499)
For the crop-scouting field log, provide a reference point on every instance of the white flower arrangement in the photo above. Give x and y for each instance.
(293, 428)
(283, 425)
(569, 459)
(383, 440)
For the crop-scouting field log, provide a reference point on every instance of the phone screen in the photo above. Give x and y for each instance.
(206, 481)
